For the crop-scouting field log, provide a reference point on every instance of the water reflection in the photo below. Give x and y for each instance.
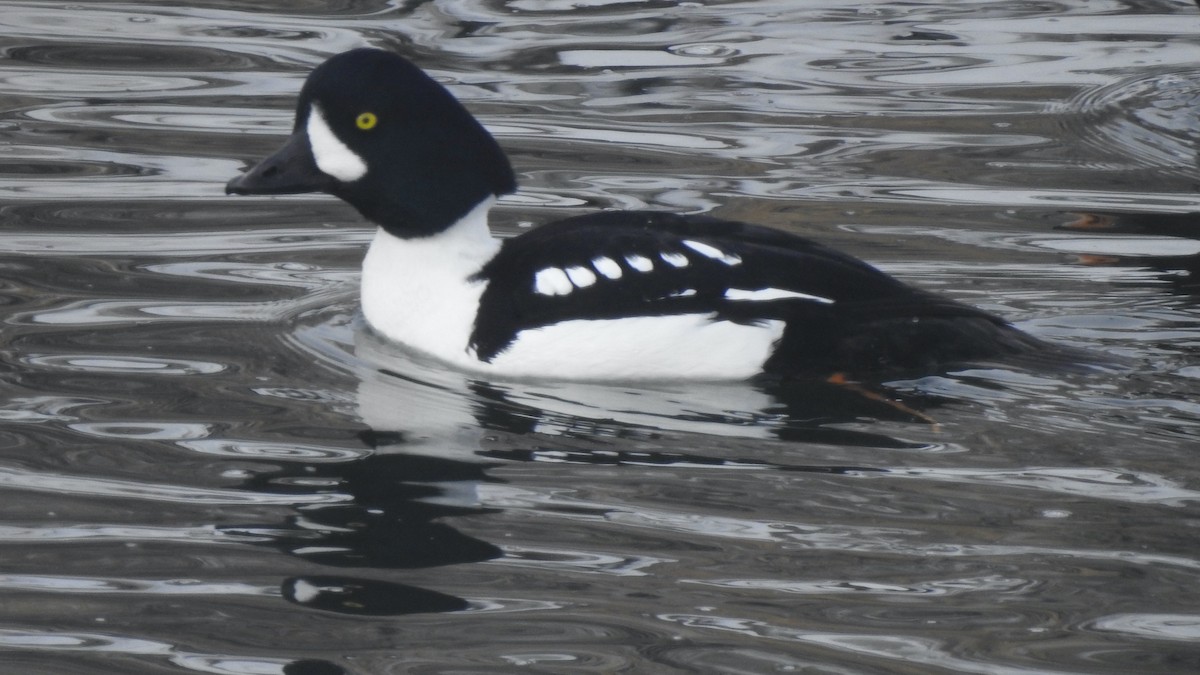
(1145, 125)
(396, 500)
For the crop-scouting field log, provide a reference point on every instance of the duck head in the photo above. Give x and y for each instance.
(374, 130)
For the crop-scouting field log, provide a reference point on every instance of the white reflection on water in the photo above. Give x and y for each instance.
(13, 479)
(940, 587)
(120, 585)
(799, 536)
(904, 650)
(1115, 484)
(1151, 626)
(107, 643)
(126, 364)
(179, 118)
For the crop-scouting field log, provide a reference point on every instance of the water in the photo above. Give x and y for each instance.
(207, 466)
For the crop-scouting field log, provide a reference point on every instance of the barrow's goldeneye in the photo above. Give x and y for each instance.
(614, 295)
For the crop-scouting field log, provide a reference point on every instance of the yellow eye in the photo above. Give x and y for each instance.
(366, 121)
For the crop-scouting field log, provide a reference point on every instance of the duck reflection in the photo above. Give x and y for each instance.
(390, 519)
(434, 435)
(1170, 244)
(799, 411)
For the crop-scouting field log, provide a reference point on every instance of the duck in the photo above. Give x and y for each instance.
(604, 296)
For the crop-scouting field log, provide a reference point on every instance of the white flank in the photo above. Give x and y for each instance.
(582, 277)
(330, 153)
(639, 263)
(763, 294)
(680, 347)
(552, 281)
(608, 267)
(713, 252)
(674, 259)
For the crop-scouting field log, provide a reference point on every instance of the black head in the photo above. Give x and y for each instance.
(376, 131)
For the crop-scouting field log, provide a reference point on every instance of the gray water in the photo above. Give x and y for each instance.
(207, 466)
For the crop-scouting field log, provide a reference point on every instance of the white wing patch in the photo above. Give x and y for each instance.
(713, 252)
(674, 259)
(764, 294)
(330, 153)
(639, 262)
(552, 281)
(558, 281)
(608, 267)
(581, 277)
(562, 281)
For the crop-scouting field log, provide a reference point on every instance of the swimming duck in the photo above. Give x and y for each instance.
(614, 295)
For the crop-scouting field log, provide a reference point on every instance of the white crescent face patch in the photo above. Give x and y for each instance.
(332, 156)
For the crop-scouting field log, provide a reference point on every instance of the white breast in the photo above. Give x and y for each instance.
(418, 291)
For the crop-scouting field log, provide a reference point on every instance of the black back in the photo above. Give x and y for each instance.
(873, 322)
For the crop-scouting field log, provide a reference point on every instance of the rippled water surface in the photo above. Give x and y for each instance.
(207, 466)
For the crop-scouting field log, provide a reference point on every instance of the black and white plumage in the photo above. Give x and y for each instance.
(607, 296)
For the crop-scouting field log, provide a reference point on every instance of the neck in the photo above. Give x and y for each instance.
(469, 234)
(460, 249)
